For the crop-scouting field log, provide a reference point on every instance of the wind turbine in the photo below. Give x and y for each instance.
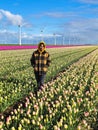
(19, 34)
(20, 28)
(54, 39)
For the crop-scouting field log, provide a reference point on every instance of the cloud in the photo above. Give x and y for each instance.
(12, 18)
(60, 14)
(89, 1)
(86, 30)
(81, 25)
(0, 16)
(55, 14)
(77, 24)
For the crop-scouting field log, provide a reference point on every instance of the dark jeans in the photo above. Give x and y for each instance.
(40, 80)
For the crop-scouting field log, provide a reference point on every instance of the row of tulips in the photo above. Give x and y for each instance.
(66, 103)
(17, 47)
(17, 79)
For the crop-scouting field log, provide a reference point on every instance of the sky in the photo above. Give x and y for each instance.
(54, 21)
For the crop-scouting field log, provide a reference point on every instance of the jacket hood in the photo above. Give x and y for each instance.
(42, 42)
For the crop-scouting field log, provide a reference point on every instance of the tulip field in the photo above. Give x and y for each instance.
(68, 100)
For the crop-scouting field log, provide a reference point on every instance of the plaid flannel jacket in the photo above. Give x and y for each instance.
(40, 61)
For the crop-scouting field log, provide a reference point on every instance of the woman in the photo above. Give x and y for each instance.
(40, 61)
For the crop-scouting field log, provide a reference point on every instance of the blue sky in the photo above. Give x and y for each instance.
(69, 21)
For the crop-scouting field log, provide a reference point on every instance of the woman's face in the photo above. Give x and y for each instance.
(41, 47)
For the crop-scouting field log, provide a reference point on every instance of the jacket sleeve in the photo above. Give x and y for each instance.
(32, 60)
(48, 60)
